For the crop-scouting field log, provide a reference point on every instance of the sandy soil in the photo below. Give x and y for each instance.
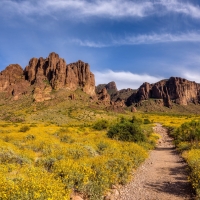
(163, 176)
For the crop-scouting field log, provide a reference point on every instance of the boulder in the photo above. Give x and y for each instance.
(133, 109)
(103, 95)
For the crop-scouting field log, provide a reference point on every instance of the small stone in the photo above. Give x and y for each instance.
(114, 187)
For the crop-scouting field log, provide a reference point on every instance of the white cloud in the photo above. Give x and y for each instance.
(191, 75)
(186, 65)
(88, 43)
(124, 79)
(100, 8)
(161, 38)
(143, 39)
(79, 8)
(182, 7)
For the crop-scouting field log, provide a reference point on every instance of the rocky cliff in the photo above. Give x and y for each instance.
(12, 81)
(42, 76)
(174, 90)
(45, 75)
(110, 87)
(115, 95)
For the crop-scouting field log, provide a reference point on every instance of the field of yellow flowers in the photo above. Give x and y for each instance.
(48, 161)
(52, 150)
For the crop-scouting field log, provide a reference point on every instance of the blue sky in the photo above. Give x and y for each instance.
(127, 41)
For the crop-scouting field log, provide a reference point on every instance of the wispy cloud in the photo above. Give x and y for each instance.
(191, 75)
(88, 43)
(160, 38)
(100, 8)
(182, 7)
(124, 79)
(142, 39)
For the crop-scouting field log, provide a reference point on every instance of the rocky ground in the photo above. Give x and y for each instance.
(163, 176)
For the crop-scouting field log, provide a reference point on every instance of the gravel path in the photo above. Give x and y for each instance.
(162, 176)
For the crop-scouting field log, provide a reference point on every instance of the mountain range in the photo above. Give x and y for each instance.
(44, 76)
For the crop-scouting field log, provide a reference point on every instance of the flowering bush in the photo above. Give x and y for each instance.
(51, 162)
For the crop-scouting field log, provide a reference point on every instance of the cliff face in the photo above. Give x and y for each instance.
(12, 81)
(79, 75)
(54, 72)
(182, 91)
(42, 75)
(110, 87)
(174, 90)
(45, 75)
(115, 95)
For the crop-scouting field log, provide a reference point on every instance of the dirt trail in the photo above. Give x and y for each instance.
(162, 176)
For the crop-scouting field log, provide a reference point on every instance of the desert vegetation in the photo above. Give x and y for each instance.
(187, 140)
(53, 149)
(49, 161)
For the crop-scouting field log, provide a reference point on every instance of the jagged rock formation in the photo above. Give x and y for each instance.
(45, 75)
(53, 73)
(111, 87)
(174, 90)
(104, 96)
(115, 95)
(12, 81)
(123, 94)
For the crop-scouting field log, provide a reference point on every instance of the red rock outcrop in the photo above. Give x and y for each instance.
(42, 75)
(79, 76)
(111, 87)
(174, 90)
(12, 81)
(115, 95)
(45, 75)
(105, 99)
(133, 109)
(104, 96)
(53, 73)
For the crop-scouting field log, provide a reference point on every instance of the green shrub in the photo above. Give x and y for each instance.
(30, 137)
(187, 132)
(147, 121)
(9, 156)
(136, 120)
(187, 140)
(126, 131)
(33, 125)
(24, 128)
(183, 146)
(66, 139)
(101, 125)
(102, 146)
(193, 160)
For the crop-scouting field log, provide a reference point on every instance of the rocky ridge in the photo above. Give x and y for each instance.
(46, 74)
(12, 81)
(174, 90)
(42, 76)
